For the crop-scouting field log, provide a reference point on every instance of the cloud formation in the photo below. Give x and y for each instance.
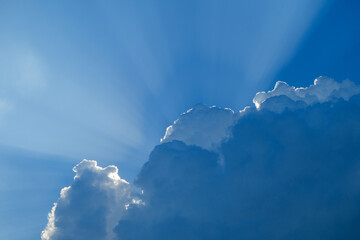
(91, 207)
(324, 90)
(288, 172)
(202, 126)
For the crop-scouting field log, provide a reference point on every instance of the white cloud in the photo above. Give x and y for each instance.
(324, 89)
(208, 127)
(202, 126)
(91, 207)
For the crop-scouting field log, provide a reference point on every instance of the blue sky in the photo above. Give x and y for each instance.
(102, 80)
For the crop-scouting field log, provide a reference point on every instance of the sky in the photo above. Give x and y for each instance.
(102, 80)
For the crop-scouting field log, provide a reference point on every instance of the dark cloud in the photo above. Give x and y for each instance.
(288, 173)
(293, 175)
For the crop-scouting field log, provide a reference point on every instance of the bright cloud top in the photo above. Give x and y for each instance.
(200, 126)
(91, 207)
(324, 89)
(208, 127)
(290, 170)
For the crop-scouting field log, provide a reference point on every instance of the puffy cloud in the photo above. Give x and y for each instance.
(208, 127)
(91, 207)
(292, 174)
(324, 90)
(289, 175)
(202, 126)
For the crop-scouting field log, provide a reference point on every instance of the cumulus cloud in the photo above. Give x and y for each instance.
(293, 175)
(208, 127)
(289, 172)
(324, 90)
(202, 126)
(91, 207)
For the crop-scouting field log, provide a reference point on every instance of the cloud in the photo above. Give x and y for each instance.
(202, 126)
(208, 127)
(91, 207)
(289, 174)
(324, 90)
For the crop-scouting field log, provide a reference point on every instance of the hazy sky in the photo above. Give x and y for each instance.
(103, 79)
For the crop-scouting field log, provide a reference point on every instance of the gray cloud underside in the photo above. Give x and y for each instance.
(289, 174)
